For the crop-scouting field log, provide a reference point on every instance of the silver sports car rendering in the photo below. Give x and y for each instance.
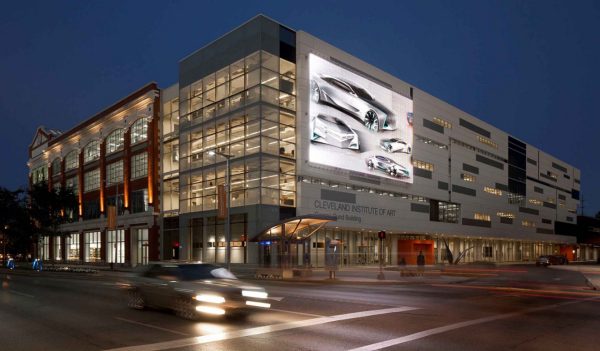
(353, 100)
(395, 145)
(388, 166)
(333, 131)
(193, 289)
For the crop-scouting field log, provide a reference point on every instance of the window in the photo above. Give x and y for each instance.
(139, 201)
(91, 180)
(505, 215)
(487, 251)
(139, 130)
(45, 248)
(139, 165)
(428, 141)
(39, 174)
(115, 246)
(535, 202)
(482, 217)
(114, 172)
(487, 141)
(71, 160)
(56, 166)
(57, 249)
(72, 247)
(73, 184)
(91, 152)
(92, 247)
(492, 191)
(468, 177)
(142, 245)
(442, 122)
(527, 223)
(440, 211)
(423, 165)
(114, 141)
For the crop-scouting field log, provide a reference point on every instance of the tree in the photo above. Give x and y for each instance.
(15, 223)
(48, 209)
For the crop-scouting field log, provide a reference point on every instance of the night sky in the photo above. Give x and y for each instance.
(530, 68)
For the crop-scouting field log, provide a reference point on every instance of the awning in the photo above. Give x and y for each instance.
(296, 228)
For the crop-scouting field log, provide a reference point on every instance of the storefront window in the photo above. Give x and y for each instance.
(115, 246)
(92, 247)
(72, 246)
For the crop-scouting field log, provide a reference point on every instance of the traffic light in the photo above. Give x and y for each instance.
(381, 234)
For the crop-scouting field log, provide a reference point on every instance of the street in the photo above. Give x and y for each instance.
(519, 307)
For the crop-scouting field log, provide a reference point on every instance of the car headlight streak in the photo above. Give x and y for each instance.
(255, 294)
(210, 298)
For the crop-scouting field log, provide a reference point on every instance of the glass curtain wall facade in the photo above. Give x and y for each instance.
(246, 110)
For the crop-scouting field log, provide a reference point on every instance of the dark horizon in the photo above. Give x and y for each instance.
(526, 68)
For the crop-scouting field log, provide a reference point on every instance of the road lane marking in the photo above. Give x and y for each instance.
(446, 328)
(204, 339)
(151, 326)
(300, 313)
(518, 290)
(20, 293)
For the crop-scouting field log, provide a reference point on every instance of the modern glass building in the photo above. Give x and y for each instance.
(325, 151)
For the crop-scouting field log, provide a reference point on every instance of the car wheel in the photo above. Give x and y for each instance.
(370, 164)
(316, 94)
(371, 121)
(136, 300)
(185, 308)
(388, 148)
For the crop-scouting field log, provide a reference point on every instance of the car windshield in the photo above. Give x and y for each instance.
(201, 272)
(362, 93)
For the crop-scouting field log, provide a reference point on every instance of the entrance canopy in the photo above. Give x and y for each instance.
(296, 228)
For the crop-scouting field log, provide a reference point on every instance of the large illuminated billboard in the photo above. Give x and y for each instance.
(357, 124)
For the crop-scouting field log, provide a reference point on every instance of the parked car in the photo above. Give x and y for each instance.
(387, 165)
(194, 289)
(546, 260)
(333, 131)
(395, 145)
(353, 100)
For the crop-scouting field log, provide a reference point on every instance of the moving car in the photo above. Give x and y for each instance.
(395, 145)
(387, 165)
(547, 260)
(353, 100)
(333, 131)
(194, 289)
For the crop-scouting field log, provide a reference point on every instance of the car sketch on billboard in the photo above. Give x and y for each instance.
(357, 124)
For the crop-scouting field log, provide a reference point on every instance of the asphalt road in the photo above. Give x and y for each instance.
(510, 308)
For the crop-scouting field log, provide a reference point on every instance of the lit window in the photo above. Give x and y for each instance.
(492, 191)
(71, 160)
(72, 246)
(505, 215)
(56, 166)
(139, 165)
(487, 141)
(442, 122)
(91, 180)
(423, 165)
(535, 202)
(482, 217)
(139, 130)
(468, 177)
(114, 141)
(528, 224)
(114, 172)
(428, 141)
(91, 152)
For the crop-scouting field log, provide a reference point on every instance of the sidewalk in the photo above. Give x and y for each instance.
(591, 272)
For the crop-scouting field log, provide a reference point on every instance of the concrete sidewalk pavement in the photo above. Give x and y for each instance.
(589, 271)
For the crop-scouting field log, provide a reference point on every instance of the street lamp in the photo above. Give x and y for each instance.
(228, 203)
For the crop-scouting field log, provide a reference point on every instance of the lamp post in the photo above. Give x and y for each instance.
(228, 202)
